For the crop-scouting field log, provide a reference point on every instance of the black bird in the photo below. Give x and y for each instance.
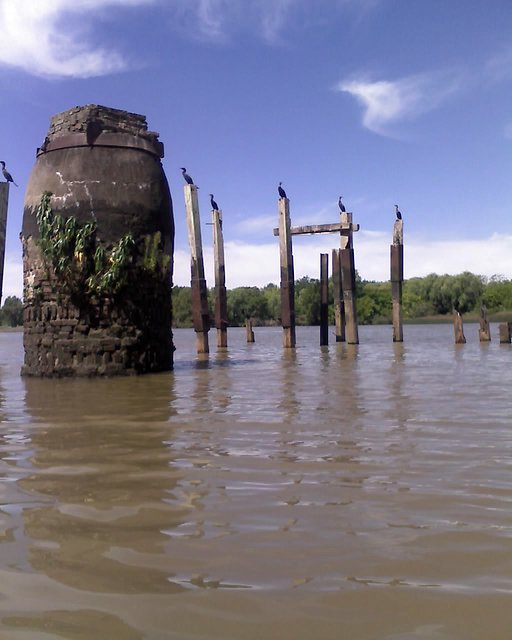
(398, 214)
(188, 179)
(7, 175)
(341, 205)
(281, 191)
(215, 206)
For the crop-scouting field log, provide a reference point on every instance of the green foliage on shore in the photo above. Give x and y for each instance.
(11, 313)
(431, 296)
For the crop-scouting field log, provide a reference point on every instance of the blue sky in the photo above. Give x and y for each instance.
(381, 101)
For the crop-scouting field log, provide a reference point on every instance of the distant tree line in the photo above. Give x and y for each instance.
(422, 297)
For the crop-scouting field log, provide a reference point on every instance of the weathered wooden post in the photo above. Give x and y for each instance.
(249, 333)
(221, 300)
(339, 308)
(4, 201)
(348, 281)
(200, 313)
(458, 328)
(287, 274)
(484, 332)
(324, 299)
(397, 277)
(505, 332)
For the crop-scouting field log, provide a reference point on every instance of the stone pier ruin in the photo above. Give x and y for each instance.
(97, 239)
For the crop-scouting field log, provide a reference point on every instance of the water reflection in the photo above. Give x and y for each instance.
(101, 477)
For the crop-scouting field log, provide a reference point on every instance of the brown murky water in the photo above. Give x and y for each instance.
(343, 492)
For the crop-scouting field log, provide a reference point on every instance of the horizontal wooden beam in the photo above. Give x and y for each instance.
(338, 227)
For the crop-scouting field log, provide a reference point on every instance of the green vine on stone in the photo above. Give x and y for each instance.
(78, 258)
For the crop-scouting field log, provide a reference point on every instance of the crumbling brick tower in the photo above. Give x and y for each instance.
(97, 238)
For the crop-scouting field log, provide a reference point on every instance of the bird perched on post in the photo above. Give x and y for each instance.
(341, 205)
(214, 205)
(398, 213)
(281, 191)
(187, 178)
(7, 175)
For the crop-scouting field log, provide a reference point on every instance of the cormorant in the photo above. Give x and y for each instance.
(398, 214)
(188, 179)
(281, 191)
(215, 206)
(7, 175)
(341, 205)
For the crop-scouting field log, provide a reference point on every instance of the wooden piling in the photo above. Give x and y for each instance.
(221, 300)
(484, 333)
(287, 274)
(249, 333)
(4, 201)
(348, 280)
(505, 332)
(397, 278)
(339, 308)
(458, 328)
(200, 313)
(324, 299)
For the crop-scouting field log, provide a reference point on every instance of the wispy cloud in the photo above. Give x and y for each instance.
(386, 102)
(218, 20)
(48, 37)
(498, 66)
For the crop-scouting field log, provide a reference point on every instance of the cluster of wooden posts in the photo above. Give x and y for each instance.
(343, 276)
(484, 332)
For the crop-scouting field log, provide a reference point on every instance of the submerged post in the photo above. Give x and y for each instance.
(324, 299)
(458, 328)
(249, 333)
(505, 331)
(339, 308)
(4, 201)
(287, 274)
(200, 313)
(221, 301)
(348, 281)
(397, 277)
(484, 332)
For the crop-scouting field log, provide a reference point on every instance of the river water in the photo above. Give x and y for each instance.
(358, 492)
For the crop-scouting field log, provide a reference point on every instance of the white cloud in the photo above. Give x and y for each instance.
(257, 265)
(386, 102)
(13, 277)
(47, 37)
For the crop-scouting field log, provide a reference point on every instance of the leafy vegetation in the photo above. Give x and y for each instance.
(11, 314)
(77, 257)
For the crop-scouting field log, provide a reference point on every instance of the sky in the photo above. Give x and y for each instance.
(385, 102)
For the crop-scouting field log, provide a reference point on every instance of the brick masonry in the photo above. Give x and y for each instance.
(128, 334)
